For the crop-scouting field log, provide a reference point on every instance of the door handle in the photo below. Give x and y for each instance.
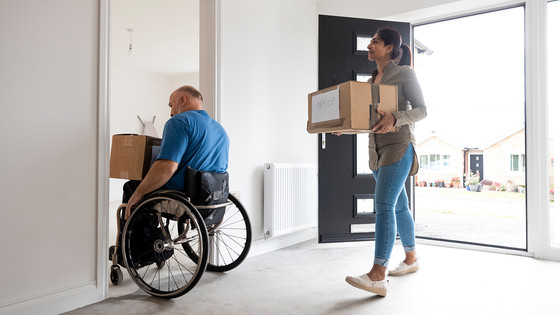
(323, 141)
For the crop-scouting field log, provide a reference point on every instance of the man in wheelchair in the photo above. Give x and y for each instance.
(180, 220)
(194, 149)
(191, 139)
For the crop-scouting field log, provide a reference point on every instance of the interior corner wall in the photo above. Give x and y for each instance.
(208, 52)
(138, 93)
(268, 66)
(49, 126)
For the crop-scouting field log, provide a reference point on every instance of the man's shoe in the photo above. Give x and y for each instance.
(363, 282)
(403, 269)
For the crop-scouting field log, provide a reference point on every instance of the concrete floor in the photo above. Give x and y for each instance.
(308, 278)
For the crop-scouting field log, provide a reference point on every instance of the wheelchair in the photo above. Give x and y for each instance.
(169, 240)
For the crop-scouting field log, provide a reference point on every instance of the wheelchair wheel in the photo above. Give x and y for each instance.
(152, 245)
(116, 275)
(230, 240)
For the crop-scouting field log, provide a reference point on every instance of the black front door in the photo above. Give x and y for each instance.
(346, 195)
(476, 164)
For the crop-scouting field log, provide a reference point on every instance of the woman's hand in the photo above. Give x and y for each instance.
(385, 123)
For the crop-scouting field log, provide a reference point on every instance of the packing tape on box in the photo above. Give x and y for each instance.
(373, 116)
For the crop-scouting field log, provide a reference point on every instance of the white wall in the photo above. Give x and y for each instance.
(191, 79)
(137, 92)
(269, 65)
(48, 166)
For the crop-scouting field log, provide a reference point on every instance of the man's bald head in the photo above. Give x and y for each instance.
(184, 99)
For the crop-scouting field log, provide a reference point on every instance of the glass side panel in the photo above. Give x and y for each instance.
(475, 124)
(553, 114)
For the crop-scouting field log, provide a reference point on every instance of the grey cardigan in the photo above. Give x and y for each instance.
(389, 148)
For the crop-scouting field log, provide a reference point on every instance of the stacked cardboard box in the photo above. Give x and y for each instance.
(132, 156)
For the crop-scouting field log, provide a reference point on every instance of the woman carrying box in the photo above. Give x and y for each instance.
(392, 159)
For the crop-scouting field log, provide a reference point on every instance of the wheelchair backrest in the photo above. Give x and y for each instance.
(206, 188)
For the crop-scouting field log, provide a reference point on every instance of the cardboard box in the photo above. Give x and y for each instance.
(132, 156)
(349, 107)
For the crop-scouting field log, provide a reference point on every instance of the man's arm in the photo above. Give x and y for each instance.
(160, 172)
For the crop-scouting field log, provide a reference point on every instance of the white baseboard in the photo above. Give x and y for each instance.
(262, 246)
(54, 302)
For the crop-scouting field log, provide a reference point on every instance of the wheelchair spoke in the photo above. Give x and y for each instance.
(186, 255)
(220, 252)
(227, 246)
(145, 272)
(229, 218)
(235, 236)
(186, 268)
(180, 264)
(232, 223)
(172, 277)
(155, 274)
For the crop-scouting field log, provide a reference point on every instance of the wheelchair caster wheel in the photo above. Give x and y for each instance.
(160, 264)
(116, 275)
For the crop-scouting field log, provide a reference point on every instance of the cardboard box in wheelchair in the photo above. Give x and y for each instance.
(349, 107)
(132, 156)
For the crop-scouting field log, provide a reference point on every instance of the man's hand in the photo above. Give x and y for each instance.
(134, 199)
(385, 123)
(157, 176)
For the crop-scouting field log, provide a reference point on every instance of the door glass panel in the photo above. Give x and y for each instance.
(362, 228)
(553, 114)
(364, 206)
(362, 41)
(363, 77)
(362, 154)
(475, 124)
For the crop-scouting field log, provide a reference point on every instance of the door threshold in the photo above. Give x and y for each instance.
(472, 246)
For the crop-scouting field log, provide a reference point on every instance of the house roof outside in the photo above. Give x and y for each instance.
(442, 137)
(483, 147)
(503, 136)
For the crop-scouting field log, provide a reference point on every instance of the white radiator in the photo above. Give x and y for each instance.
(290, 198)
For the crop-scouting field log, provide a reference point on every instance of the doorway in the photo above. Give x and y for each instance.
(153, 49)
(554, 128)
(476, 117)
(346, 185)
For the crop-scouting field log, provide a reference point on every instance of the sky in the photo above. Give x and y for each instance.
(473, 82)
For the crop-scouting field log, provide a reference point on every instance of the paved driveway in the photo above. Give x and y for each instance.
(487, 217)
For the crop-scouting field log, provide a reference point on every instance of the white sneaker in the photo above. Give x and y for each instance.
(403, 269)
(363, 282)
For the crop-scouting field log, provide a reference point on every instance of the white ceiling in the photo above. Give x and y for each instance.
(164, 38)
(374, 9)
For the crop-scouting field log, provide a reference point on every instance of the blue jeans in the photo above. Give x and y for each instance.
(391, 209)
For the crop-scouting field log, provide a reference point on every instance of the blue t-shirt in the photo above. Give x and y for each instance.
(194, 139)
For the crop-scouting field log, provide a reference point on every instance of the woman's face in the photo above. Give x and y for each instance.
(377, 50)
